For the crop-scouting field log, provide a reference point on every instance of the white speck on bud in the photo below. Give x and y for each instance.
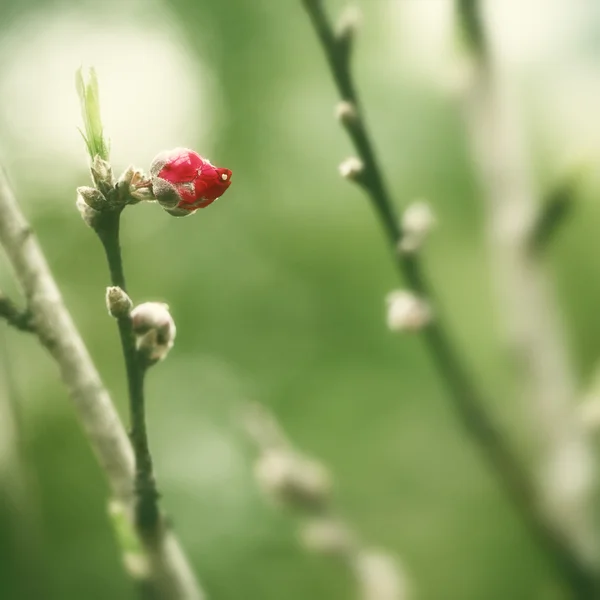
(327, 536)
(406, 311)
(380, 577)
(345, 112)
(292, 480)
(88, 214)
(417, 221)
(348, 24)
(352, 168)
(154, 330)
(118, 303)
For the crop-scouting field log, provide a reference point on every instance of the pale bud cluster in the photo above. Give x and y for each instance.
(291, 479)
(154, 330)
(352, 168)
(417, 221)
(133, 186)
(118, 303)
(406, 311)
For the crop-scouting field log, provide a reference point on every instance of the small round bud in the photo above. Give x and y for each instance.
(154, 330)
(118, 303)
(348, 24)
(292, 480)
(352, 168)
(406, 311)
(417, 221)
(89, 215)
(380, 577)
(326, 536)
(345, 112)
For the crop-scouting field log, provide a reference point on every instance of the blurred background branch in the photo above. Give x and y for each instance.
(516, 223)
(471, 407)
(302, 485)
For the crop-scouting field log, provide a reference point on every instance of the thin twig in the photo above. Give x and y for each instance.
(14, 316)
(169, 568)
(147, 511)
(467, 400)
(302, 485)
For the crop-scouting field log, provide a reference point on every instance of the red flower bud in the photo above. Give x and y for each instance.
(183, 181)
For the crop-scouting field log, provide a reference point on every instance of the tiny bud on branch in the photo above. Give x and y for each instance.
(406, 311)
(346, 29)
(417, 221)
(292, 480)
(346, 113)
(352, 168)
(118, 303)
(154, 330)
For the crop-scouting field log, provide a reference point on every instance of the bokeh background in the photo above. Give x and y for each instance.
(278, 290)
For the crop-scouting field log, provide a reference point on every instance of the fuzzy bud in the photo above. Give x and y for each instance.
(133, 186)
(102, 174)
(347, 26)
(406, 311)
(345, 112)
(417, 221)
(89, 215)
(183, 181)
(326, 536)
(154, 330)
(118, 303)
(352, 168)
(92, 197)
(292, 480)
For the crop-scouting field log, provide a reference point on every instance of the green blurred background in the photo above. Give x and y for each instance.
(278, 290)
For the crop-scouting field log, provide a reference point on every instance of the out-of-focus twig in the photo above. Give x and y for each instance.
(533, 329)
(10, 312)
(302, 485)
(467, 399)
(168, 568)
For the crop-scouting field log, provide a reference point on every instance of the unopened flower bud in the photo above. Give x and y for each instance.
(417, 221)
(89, 215)
(183, 181)
(118, 303)
(348, 25)
(326, 536)
(92, 197)
(345, 112)
(102, 174)
(406, 311)
(292, 480)
(154, 330)
(352, 168)
(380, 577)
